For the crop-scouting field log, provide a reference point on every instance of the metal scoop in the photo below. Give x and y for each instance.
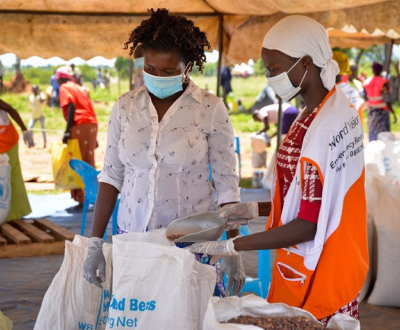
(200, 227)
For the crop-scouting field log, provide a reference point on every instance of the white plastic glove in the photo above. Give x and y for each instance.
(95, 261)
(27, 136)
(233, 266)
(247, 211)
(231, 262)
(215, 248)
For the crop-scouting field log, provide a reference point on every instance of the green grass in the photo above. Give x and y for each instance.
(244, 123)
(103, 100)
(245, 90)
(46, 192)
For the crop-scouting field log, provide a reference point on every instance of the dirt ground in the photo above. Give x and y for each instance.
(36, 161)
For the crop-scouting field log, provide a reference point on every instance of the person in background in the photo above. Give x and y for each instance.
(353, 78)
(100, 79)
(362, 77)
(76, 74)
(1, 77)
(377, 90)
(107, 78)
(55, 94)
(351, 92)
(161, 139)
(138, 63)
(226, 78)
(94, 83)
(269, 116)
(36, 101)
(81, 120)
(265, 97)
(9, 144)
(317, 215)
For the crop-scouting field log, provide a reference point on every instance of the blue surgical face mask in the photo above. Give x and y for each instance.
(162, 87)
(139, 63)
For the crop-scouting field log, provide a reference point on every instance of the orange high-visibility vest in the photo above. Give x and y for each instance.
(8, 134)
(373, 88)
(325, 274)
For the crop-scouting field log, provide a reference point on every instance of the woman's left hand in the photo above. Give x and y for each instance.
(233, 267)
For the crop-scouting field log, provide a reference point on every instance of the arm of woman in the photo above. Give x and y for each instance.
(293, 233)
(222, 156)
(105, 203)
(111, 176)
(70, 116)
(70, 121)
(13, 114)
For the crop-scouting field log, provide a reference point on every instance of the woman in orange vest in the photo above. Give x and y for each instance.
(376, 88)
(317, 217)
(9, 144)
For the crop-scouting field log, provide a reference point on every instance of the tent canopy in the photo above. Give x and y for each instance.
(91, 28)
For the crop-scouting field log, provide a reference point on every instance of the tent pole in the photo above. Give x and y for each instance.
(388, 57)
(279, 132)
(221, 50)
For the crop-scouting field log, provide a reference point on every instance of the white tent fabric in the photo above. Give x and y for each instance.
(100, 27)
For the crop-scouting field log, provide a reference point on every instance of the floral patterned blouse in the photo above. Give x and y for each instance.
(161, 168)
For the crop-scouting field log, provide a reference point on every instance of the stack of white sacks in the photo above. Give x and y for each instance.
(383, 207)
(152, 285)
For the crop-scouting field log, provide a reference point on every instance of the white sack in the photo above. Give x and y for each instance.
(371, 270)
(157, 286)
(221, 310)
(391, 160)
(269, 174)
(5, 187)
(386, 290)
(71, 302)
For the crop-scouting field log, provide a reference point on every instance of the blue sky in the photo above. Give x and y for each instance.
(9, 60)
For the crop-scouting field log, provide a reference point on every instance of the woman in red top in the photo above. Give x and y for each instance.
(81, 120)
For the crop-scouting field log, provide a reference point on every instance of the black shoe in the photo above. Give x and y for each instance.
(75, 209)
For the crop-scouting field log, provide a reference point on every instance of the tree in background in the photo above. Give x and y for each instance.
(122, 67)
(259, 69)
(88, 72)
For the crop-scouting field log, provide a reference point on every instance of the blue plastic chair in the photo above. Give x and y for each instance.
(88, 174)
(237, 150)
(260, 284)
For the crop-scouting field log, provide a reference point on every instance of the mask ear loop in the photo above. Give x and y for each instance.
(186, 75)
(303, 78)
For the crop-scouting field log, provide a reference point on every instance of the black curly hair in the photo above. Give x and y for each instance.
(166, 32)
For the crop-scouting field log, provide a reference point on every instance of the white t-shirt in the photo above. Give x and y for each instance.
(271, 111)
(36, 102)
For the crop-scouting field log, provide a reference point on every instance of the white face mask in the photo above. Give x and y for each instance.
(282, 85)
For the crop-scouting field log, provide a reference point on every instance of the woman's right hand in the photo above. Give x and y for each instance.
(95, 261)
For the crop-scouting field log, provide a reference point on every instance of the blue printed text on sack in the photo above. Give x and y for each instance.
(122, 321)
(133, 305)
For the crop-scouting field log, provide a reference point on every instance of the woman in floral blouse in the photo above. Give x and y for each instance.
(161, 139)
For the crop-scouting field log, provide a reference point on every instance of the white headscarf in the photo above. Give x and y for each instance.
(298, 36)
